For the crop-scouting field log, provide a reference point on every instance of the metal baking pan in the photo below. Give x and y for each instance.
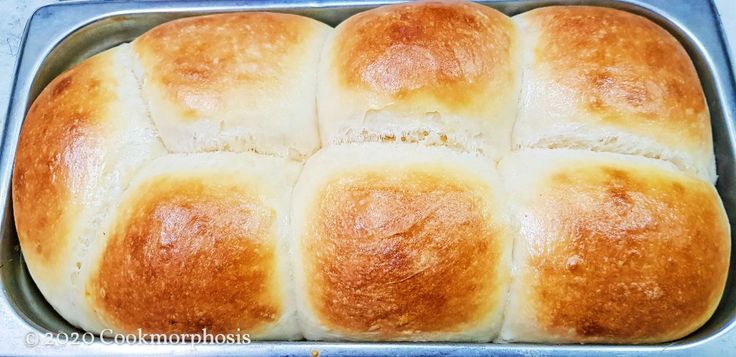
(60, 35)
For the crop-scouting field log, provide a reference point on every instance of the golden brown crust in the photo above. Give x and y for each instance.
(623, 256)
(448, 51)
(197, 61)
(405, 254)
(59, 153)
(622, 67)
(189, 253)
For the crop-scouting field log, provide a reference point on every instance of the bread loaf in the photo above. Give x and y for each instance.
(606, 80)
(438, 73)
(428, 171)
(198, 241)
(611, 248)
(237, 82)
(400, 242)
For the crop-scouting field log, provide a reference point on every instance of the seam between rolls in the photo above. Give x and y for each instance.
(522, 61)
(513, 226)
(132, 60)
(324, 46)
(678, 163)
(93, 239)
(139, 79)
(512, 219)
(292, 248)
(424, 137)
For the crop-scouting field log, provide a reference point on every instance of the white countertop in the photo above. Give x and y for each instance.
(18, 11)
(727, 9)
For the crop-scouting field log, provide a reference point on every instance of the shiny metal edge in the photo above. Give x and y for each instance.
(696, 23)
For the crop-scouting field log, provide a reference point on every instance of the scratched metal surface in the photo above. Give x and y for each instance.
(15, 13)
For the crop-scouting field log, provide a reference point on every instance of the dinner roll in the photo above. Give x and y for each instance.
(399, 242)
(234, 82)
(83, 138)
(199, 241)
(611, 248)
(437, 72)
(608, 80)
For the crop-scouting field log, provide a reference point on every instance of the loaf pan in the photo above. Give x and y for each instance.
(61, 35)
